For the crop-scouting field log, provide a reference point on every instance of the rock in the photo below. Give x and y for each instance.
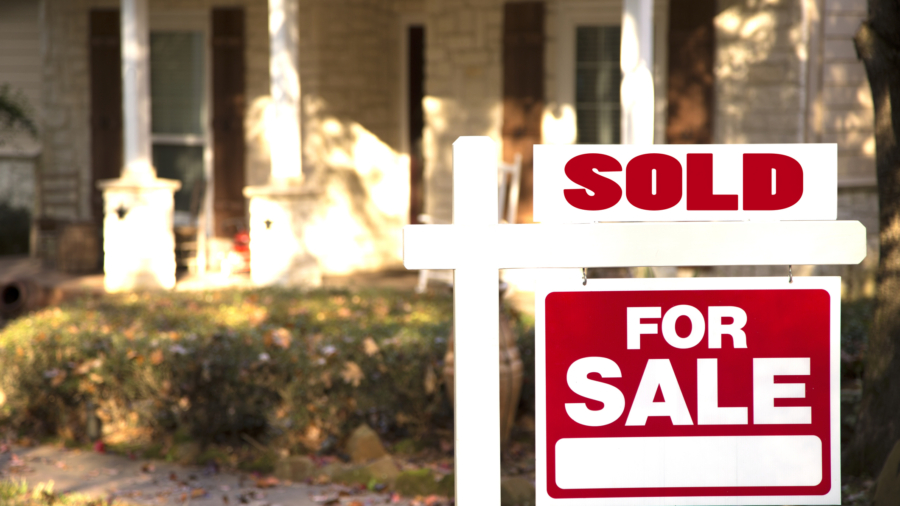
(403, 447)
(187, 453)
(516, 491)
(296, 468)
(364, 445)
(352, 475)
(334, 470)
(887, 489)
(416, 482)
(447, 486)
(384, 470)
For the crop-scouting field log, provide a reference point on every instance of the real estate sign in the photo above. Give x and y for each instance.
(688, 391)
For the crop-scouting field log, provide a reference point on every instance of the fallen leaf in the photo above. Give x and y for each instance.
(58, 379)
(173, 477)
(267, 482)
(430, 380)
(352, 373)
(282, 337)
(197, 492)
(156, 357)
(370, 347)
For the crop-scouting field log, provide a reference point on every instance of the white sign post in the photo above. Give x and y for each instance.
(476, 247)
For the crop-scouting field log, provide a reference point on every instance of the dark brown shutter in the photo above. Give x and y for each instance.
(690, 85)
(228, 119)
(523, 90)
(416, 119)
(106, 103)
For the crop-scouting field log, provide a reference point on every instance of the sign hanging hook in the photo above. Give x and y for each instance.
(790, 273)
(584, 276)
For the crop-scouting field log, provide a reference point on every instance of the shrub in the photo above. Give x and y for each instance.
(298, 367)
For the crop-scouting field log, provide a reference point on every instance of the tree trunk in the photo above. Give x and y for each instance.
(878, 426)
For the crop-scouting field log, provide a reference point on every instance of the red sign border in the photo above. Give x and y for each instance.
(570, 281)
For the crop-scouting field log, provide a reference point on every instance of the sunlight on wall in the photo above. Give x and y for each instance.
(365, 197)
(558, 125)
(138, 242)
(750, 41)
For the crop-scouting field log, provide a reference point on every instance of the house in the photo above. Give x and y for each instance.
(382, 88)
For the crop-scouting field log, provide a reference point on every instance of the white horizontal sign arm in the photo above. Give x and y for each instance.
(634, 244)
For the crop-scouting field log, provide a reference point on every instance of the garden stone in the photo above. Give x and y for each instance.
(187, 453)
(887, 489)
(516, 491)
(416, 482)
(384, 470)
(334, 470)
(364, 445)
(352, 475)
(295, 468)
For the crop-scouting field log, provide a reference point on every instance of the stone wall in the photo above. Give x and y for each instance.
(786, 71)
(350, 71)
(463, 87)
(66, 92)
(20, 70)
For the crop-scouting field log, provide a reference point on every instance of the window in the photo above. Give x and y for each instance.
(587, 78)
(597, 82)
(177, 84)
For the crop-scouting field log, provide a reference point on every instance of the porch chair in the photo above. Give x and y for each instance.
(508, 177)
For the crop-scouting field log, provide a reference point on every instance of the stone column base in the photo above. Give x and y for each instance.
(138, 240)
(278, 253)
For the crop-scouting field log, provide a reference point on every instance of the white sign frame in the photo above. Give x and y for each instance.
(546, 286)
(818, 201)
(467, 249)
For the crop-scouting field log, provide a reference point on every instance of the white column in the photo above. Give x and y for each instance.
(283, 124)
(136, 90)
(637, 71)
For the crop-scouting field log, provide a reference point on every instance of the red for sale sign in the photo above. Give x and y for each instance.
(688, 391)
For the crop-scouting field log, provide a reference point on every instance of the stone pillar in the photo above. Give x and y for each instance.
(637, 76)
(138, 240)
(281, 209)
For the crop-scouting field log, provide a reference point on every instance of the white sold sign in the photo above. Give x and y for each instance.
(688, 391)
(583, 184)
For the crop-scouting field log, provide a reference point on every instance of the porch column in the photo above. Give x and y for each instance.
(284, 78)
(637, 71)
(138, 240)
(281, 209)
(137, 153)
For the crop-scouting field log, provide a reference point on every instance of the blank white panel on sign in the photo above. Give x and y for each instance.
(673, 462)
(683, 182)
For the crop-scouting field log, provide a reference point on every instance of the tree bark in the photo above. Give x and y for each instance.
(878, 426)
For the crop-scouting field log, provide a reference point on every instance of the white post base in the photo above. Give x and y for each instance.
(138, 240)
(278, 253)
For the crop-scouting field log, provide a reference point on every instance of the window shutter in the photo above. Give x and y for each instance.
(523, 90)
(106, 103)
(691, 83)
(228, 119)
